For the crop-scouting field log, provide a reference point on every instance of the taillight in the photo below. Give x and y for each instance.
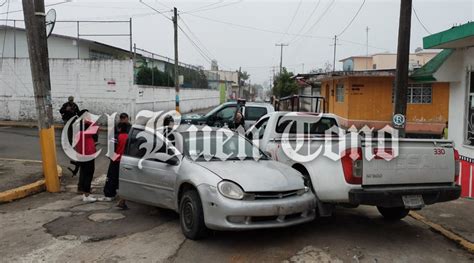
(352, 168)
(457, 165)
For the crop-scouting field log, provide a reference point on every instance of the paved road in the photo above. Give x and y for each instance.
(59, 227)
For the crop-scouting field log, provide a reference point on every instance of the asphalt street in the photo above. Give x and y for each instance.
(60, 228)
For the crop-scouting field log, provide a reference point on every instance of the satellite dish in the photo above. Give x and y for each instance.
(50, 21)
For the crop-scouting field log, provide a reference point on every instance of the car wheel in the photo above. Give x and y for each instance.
(393, 213)
(191, 216)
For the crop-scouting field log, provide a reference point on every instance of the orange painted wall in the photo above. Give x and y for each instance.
(369, 99)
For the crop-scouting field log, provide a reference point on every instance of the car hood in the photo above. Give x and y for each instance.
(257, 176)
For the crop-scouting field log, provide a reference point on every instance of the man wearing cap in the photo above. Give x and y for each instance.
(69, 109)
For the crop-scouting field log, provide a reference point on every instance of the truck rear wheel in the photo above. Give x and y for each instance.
(393, 213)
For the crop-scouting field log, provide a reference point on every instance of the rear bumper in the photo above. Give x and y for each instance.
(392, 197)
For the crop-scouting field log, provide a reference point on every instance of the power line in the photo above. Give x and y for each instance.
(200, 51)
(321, 17)
(419, 20)
(21, 10)
(255, 28)
(353, 18)
(204, 6)
(212, 8)
(292, 19)
(307, 21)
(156, 10)
(197, 39)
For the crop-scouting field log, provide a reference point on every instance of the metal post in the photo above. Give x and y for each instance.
(131, 45)
(14, 38)
(77, 40)
(176, 62)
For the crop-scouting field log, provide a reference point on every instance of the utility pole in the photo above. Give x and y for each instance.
(176, 64)
(367, 48)
(35, 25)
(334, 58)
(401, 78)
(238, 79)
(281, 45)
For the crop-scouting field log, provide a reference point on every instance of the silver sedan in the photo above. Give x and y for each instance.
(211, 183)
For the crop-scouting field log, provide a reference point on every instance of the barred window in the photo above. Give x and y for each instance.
(340, 93)
(417, 93)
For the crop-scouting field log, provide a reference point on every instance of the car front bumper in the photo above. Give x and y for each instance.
(221, 213)
(392, 197)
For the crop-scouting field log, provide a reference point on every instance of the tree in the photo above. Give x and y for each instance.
(153, 77)
(244, 76)
(284, 85)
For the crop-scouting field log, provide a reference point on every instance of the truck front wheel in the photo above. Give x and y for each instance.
(393, 213)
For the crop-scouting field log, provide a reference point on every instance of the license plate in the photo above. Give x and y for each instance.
(413, 201)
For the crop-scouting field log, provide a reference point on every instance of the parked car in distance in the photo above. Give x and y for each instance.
(223, 115)
(237, 193)
(424, 172)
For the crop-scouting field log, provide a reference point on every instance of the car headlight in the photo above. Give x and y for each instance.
(230, 190)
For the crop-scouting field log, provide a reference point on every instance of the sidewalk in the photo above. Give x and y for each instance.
(14, 174)
(20, 178)
(457, 216)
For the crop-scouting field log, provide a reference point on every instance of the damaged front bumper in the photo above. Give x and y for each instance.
(221, 213)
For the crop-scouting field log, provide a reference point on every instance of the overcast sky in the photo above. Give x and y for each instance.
(244, 33)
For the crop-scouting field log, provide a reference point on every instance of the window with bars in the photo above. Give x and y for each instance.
(340, 92)
(417, 93)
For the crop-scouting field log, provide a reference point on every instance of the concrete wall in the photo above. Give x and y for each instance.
(163, 98)
(101, 86)
(98, 85)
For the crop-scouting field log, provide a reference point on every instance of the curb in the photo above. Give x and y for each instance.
(462, 242)
(25, 190)
(18, 124)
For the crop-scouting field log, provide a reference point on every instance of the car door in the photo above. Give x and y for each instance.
(224, 116)
(252, 114)
(148, 180)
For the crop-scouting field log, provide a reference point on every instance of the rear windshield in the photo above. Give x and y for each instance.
(254, 113)
(319, 127)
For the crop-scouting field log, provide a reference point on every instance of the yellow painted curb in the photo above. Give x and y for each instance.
(466, 244)
(25, 190)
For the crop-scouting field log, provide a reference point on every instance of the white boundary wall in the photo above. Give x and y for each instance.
(101, 86)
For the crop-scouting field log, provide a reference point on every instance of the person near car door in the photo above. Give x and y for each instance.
(239, 122)
(68, 111)
(112, 182)
(86, 141)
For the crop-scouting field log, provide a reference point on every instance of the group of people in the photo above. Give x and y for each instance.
(87, 139)
(85, 144)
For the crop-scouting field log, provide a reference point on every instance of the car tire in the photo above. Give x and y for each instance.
(191, 216)
(393, 213)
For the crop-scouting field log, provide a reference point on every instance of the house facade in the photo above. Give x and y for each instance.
(366, 98)
(455, 65)
(382, 61)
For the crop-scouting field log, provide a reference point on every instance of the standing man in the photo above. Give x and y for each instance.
(70, 110)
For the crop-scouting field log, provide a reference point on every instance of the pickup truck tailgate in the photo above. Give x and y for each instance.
(418, 162)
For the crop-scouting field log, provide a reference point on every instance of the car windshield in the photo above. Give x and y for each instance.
(213, 111)
(217, 145)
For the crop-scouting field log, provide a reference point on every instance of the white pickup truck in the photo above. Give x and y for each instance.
(423, 173)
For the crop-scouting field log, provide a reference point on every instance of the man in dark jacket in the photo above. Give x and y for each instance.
(69, 109)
